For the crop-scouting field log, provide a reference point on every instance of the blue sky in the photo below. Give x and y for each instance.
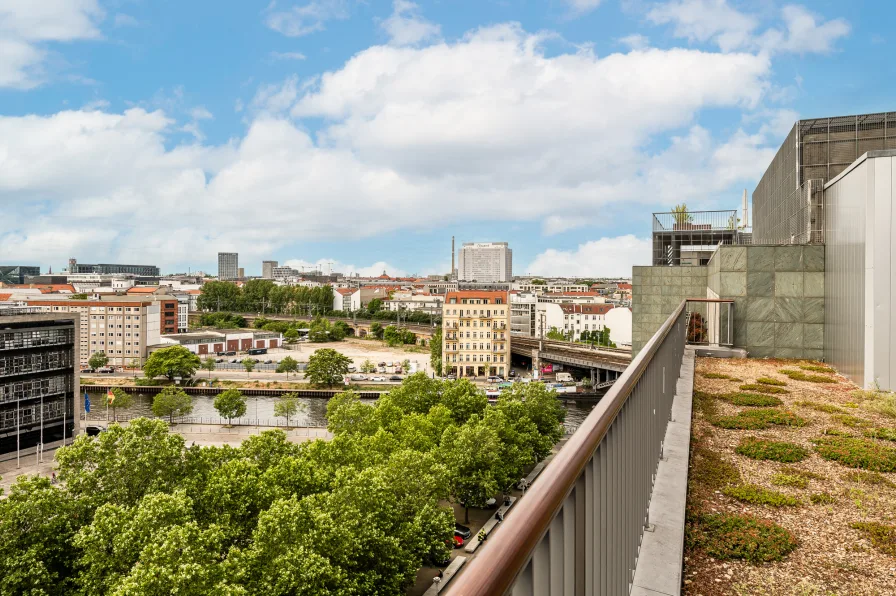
(366, 134)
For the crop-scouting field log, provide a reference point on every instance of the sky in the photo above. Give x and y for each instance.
(363, 135)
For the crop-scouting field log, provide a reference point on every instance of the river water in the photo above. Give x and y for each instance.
(313, 411)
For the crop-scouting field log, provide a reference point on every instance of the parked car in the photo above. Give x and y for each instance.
(394, 378)
(234, 361)
(458, 541)
(230, 353)
(269, 362)
(378, 379)
(381, 370)
(105, 370)
(462, 530)
(451, 378)
(87, 370)
(495, 379)
(381, 364)
(358, 378)
(93, 431)
(512, 373)
(219, 360)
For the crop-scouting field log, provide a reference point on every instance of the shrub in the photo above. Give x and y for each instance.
(871, 478)
(705, 404)
(834, 432)
(729, 536)
(756, 495)
(821, 498)
(883, 403)
(881, 536)
(792, 480)
(761, 449)
(710, 470)
(817, 368)
(751, 399)
(758, 419)
(798, 375)
(850, 404)
(770, 381)
(849, 420)
(714, 375)
(762, 388)
(887, 434)
(857, 453)
(820, 407)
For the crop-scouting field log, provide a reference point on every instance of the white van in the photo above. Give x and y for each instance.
(564, 377)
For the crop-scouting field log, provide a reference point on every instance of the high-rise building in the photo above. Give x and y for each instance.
(240, 273)
(267, 269)
(476, 333)
(16, 274)
(228, 265)
(108, 268)
(38, 384)
(485, 262)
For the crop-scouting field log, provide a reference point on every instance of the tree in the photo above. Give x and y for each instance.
(406, 366)
(367, 366)
(376, 330)
(374, 306)
(555, 335)
(472, 454)
(291, 335)
(171, 402)
(219, 296)
(171, 362)
(435, 351)
(681, 215)
(98, 360)
(230, 404)
(287, 407)
(210, 365)
(327, 367)
(392, 336)
(288, 365)
(248, 364)
(120, 400)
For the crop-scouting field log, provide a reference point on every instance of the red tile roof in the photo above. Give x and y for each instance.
(484, 294)
(346, 291)
(5, 297)
(47, 288)
(624, 286)
(143, 290)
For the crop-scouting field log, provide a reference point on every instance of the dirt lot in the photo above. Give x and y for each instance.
(360, 350)
(816, 499)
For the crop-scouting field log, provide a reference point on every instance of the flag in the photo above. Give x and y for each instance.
(110, 396)
(86, 402)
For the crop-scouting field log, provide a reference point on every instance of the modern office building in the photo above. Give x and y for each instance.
(485, 262)
(267, 269)
(476, 334)
(788, 206)
(108, 268)
(228, 265)
(39, 394)
(688, 238)
(16, 274)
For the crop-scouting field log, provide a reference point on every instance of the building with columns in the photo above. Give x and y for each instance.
(476, 333)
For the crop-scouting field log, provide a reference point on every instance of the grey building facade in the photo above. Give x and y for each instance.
(111, 268)
(228, 265)
(39, 391)
(267, 269)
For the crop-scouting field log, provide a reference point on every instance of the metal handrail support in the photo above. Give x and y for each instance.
(578, 529)
(710, 321)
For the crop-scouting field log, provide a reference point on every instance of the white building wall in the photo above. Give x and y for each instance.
(619, 320)
(485, 262)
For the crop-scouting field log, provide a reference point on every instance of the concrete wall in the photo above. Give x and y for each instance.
(778, 294)
(656, 292)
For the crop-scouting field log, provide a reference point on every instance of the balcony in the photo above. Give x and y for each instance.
(690, 237)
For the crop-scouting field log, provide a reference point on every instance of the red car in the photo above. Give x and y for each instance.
(458, 541)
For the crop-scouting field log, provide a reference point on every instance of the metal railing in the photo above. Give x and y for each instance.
(578, 528)
(695, 221)
(710, 321)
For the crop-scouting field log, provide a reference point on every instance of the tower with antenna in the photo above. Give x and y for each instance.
(451, 273)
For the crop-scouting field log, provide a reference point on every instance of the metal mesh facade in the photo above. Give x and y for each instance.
(689, 239)
(788, 206)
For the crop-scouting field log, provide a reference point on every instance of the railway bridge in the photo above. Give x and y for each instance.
(604, 364)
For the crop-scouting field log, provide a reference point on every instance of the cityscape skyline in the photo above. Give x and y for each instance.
(663, 103)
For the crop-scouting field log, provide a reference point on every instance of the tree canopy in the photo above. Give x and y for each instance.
(171, 362)
(288, 365)
(230, 404)
(171, 402)
(262, 295)
(98, 360)
(327, 367)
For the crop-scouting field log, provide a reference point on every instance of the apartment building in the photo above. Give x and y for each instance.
(120, 326)
(267, 269)
(485, 262)
(38, 384)
(347, 299)
(476, 334)
(583, 317)
(112, 268)
(228, 265)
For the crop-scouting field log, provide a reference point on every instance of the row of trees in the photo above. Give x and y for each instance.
(597, 337)
(139, 512)
(263, 295)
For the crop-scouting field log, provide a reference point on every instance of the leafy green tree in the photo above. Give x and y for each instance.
(435, 351)
(472, 454)
(555, 335)
(376, 330)
(327, 367)
(367, 366)
(230, 404)
(538, 282)
(374, 306)
(171, 402)
(406, 365)
(248, 364)
(171, 362)
(288, 365)
(209, 364)
(287, 406)
(392, 336)
(464, 399)
(346, 414)
(219, 296)
(291, 335)
(98, 360)
(417, 394)
(121, 400)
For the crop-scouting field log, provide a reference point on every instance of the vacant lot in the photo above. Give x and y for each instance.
(792, 486)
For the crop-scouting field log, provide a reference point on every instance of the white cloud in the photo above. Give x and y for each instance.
(406, 26)
(26, 27)
(287, 56)
(582, 6)
(731, 29)
(606, 257)
(635, 41)
(200, 113)
(330, 265)
(96, 104)
(405, 131)
(299, 20)
(125, 20)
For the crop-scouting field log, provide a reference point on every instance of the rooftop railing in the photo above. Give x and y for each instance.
(696, 221)
(578, 529)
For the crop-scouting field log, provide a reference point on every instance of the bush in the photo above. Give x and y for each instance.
(887, 434)
(756, 495)
(762, 388)
(758, 419)
(792, 480)
(834, 432)
(751, 399)
(710, 470)
(761, 449)
(798, 375)
(821, 498)
(729, 536)
(882, 403)
(871, 478)
(817, 368)
(849, 420)
(857, 453)
(882, 536)
(770, 381)
(712, 375)
(819, 407)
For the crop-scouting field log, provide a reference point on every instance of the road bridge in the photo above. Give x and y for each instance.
(605, 364)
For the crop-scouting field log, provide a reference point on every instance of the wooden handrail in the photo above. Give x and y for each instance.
(495, 569)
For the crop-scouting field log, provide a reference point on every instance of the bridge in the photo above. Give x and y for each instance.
(605, 364)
